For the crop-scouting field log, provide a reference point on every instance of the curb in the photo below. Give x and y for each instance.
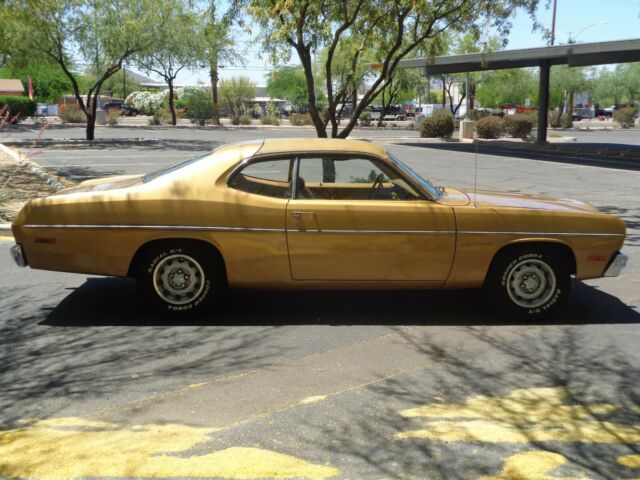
(76, 141)
(52, 179)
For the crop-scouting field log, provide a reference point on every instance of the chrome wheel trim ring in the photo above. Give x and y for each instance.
(178, 279)
(531, 283)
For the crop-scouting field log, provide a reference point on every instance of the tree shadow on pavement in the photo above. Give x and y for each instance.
(92, 304)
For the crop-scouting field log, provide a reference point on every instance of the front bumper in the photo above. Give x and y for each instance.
(617, 265)
(18, 255)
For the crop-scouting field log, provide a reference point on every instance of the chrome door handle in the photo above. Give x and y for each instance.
(300, 214)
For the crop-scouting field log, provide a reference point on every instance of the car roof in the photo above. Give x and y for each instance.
(273, 146)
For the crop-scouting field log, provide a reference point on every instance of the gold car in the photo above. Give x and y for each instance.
(302, 213)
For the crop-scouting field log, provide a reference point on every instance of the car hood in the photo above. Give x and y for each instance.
(495, 199)
(103, 184)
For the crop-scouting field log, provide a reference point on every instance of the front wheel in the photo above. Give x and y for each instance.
(528, 282)
(180, 278)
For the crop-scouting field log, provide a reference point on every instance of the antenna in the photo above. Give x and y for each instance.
(475, 176)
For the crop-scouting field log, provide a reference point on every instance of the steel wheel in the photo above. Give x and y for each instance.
(531, 283)
(178, 279)
(528, 282)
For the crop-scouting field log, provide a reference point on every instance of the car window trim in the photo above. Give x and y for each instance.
(294, 195)
(263, 158)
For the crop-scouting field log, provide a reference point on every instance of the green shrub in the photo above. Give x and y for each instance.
(71, 113)
(269, 119)
(624, 116)
(245, 120)
(23, 107)
(365, 119)
(518, 125)
(440, 124)
(489, 127)
(564, 121)
(300, 119)
(199, 106)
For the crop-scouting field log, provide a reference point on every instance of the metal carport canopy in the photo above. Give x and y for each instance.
(574, 55)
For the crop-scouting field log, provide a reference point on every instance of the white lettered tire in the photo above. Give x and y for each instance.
(180, 278)
(528, 282)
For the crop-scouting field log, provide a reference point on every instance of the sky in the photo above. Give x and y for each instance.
(583, 20)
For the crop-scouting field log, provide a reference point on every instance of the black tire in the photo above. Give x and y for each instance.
(180, 278)
(528, 282)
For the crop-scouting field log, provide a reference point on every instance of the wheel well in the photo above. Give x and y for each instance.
(154, 243)
(561, 248)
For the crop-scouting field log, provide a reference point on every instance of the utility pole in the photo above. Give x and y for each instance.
(124, 83)
(553, 22)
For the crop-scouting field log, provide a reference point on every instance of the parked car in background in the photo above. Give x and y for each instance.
(316, 213)
(582, 114)
(126, 110)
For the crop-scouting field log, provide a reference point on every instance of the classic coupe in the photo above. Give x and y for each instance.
(321, 213)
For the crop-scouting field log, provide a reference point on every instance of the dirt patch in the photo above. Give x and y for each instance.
(18, 185)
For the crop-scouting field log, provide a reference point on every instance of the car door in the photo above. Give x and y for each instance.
(355, 218)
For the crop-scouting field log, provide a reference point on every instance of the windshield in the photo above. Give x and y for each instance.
(434, 191)
(173, 168)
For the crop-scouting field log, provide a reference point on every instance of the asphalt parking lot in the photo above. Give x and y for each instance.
(319, 385)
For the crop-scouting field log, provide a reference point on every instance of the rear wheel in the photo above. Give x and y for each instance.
(180, 278)
(528, 282)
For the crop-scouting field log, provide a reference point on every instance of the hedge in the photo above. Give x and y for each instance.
(625, 116)
(518, 126)
(440, 124)
(22, 106)
(489, 127)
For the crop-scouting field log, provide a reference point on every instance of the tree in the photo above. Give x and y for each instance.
(506, 87)
(288, 84)
(390, 29)
(120, 84)
(629, 74)
(168, 58)
(402, 86)
(49, 82)
(216, 42)
(236, 93)
(564, 83)
(102, 33)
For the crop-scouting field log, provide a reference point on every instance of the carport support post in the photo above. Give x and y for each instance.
(543, 100)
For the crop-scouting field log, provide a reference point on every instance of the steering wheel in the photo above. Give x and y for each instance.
(377, 183)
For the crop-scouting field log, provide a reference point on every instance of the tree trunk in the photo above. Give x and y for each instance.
(215, 118)
(305, 58)
(91, 127)
(570, 110)
(91, 115)
(172, 107)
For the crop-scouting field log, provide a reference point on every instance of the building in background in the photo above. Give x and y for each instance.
(11, 87)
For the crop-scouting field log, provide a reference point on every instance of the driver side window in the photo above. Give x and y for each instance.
(335, 178)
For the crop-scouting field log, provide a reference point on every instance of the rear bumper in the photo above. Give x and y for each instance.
(18, 255)
(617, 264)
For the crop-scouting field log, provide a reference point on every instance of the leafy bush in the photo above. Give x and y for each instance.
(518, 125)
(245, 120)
(300, 119)
(147, 102)
(489, 127)
(625, 116)
(270, 119)
(71, 113)
(564, 121)
(112, 116)
(440, 124)
(199, 106)
(21, 106)
(155, 120)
